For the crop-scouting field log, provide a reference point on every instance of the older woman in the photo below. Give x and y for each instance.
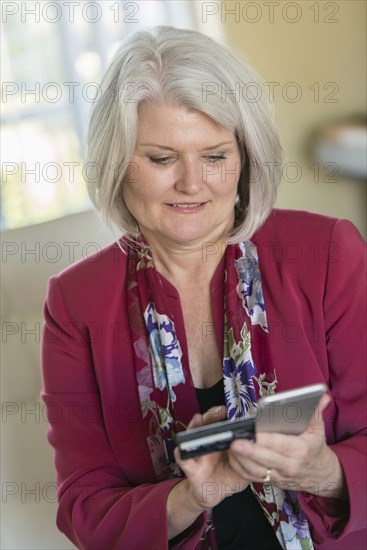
(210, 299)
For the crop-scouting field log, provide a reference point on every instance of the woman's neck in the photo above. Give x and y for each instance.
(185, 264)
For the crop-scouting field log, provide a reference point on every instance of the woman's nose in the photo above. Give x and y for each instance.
(189, 177)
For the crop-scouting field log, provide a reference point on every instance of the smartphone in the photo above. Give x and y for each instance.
(288, 412)
(214, 437)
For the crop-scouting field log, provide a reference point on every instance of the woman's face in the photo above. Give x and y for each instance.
(182, 184)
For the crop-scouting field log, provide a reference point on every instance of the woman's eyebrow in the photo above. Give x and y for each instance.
(171, 149)
(155, 145)
(218, 145)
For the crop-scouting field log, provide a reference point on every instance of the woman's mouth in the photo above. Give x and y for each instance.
(187, 207)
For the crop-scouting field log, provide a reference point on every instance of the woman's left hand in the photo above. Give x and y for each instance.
(301, 463)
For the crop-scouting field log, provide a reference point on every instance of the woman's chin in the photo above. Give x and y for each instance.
(195, 232)
(185, 235)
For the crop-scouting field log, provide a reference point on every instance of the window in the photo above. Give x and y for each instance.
(53, 56)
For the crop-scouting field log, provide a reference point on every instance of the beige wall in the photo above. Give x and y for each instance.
(305, 52)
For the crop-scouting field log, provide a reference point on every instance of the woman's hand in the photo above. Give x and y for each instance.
(301, 463)
(209, 479)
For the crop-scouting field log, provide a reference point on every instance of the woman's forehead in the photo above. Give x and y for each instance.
(177, 122)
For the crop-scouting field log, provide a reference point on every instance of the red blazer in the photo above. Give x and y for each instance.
(312, 270)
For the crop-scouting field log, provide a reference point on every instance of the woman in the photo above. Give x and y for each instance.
(209, 300)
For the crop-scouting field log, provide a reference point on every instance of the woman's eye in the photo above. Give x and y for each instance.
(215, 158)
(159, 160)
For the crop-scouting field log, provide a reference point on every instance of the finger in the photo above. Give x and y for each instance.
(324, 401)
(215, 414)
(247, 469)
(196, 421)
(283, 454)
(256, 458)
(316, 423)
(189, 466)
(286, 453)
(284, 444)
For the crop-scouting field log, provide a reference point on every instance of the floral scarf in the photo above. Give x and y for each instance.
(164, 380)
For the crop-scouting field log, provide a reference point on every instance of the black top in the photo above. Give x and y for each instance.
(239, 520)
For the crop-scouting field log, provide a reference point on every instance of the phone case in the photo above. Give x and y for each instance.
(289, 412)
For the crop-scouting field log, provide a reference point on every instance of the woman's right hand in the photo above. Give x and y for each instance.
(211, 477)
(209, 480)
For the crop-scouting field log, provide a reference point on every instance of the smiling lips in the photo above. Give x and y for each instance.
(187, 207)
(186, 204)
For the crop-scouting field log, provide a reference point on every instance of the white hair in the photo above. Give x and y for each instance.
(166, 65)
